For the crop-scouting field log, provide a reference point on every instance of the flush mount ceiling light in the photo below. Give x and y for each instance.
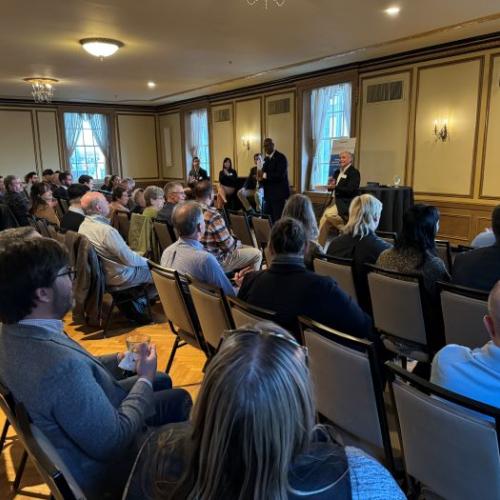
(151, 85)
(393, 11)
(101, 47)
(42, 89)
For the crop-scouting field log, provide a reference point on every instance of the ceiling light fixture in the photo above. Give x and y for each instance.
(393, 11)
(151, 85)
(278, 3)
(42, 89)
(101, 47)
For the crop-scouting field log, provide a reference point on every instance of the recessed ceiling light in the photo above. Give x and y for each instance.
(101, 47)
(151, 85)
(392, 11)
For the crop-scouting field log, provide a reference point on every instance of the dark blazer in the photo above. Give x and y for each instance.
(276, 185)
(290, 290)
(362, 251)
(61, 192)
(478, 268)
(71, 221)
(346, 189)
(19, 206)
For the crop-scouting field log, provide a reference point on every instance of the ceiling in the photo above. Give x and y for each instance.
(198, 47)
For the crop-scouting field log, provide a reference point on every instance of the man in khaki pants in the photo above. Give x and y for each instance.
(345, 182)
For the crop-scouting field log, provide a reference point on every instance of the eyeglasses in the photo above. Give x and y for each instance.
(70, 271)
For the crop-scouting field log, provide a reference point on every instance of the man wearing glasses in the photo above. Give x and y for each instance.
(174, 193)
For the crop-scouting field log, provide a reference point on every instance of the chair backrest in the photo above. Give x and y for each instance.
(241, 228)
(244, 314)
(262, 230)
(388, 236)
(64, 204)
(121, 222)
(46, 459)
(447, 445)
(59, 210)
(339, 269)
(398, 305)
(41, 226)
(444, 252)
(463, 311)
(163, 235)
(212, 310)
(348, 386)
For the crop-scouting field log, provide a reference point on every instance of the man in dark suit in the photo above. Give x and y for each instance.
(274, 179)
(480, 268)
(75, 215)
(65, 181)
(290, 290)
(345, 183)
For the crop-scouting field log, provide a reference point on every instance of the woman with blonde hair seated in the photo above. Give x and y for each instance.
(253, 434)
(43, 203)
(359, 242)
(299, 207)
(155, 199)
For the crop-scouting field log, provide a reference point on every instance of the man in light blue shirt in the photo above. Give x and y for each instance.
(187, 255)
(474, 373)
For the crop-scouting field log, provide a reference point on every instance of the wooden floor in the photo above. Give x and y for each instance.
(186, 372)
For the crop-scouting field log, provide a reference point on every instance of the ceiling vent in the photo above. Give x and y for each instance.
(222, 115)
(279, 106)
(389, 91)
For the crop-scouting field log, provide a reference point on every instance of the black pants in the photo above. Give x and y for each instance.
(274, 208)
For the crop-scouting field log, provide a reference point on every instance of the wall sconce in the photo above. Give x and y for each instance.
(246, 139)
(441, 132)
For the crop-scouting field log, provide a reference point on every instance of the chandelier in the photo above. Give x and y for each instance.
(278, 3)
(42, 89)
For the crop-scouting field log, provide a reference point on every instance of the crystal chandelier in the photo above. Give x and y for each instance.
(278, 3)
(42, 89)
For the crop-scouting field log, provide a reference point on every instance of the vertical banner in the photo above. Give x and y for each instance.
(338, 146)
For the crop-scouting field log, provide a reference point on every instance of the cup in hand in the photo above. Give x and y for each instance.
(135, 341)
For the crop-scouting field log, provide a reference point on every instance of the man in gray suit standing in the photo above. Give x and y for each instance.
(95, 421)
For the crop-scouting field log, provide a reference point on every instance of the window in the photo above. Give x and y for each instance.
(198, 138)
(87, 144)
(331, 119)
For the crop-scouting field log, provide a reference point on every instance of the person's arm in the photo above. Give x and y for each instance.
(349, 186)
(122, 252)
(279, 170)
(214, 275)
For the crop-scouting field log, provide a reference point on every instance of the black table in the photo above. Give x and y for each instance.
(395, 202)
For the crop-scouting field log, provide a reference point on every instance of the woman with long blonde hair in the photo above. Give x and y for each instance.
(253, 434)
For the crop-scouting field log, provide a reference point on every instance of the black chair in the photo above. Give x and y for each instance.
(245, 314)
(443, 248)
(241, 228)
(450, 443)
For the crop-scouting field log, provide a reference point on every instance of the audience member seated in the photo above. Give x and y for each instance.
(299, 207)
(360, 243)
(415, 249)
(187, 255)
(47, 175)
(119, 201)
(139, 201)
(129, 185)
(291, 290)
(196, 174)
(250, 190)
(474, 373)
(73, 218)
(42, 203)
(29, 179)
(65, 181)
(229, 251)
(253, 434)
(155, 199)
(480, 268)
(95, 422)
(174, 192)
(112, 183)
(228, 182)
(17, 201)
(123, 267)
(86, 180)
(484, 239)
(2, 188)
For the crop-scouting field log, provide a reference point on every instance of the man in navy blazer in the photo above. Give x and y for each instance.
(94, 421)
(274, 180)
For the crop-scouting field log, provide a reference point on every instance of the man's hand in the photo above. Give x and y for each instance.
(147, 360)
(240, 275)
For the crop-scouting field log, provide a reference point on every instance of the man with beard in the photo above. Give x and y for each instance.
(94, 421)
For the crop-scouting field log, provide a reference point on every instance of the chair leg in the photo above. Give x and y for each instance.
(108, 318)
(19, 472)
(172, 354)
(4, 434)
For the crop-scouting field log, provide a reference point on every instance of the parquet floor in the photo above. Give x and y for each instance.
(186, 372)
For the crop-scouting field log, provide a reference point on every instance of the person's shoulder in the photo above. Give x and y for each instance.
(452, 354)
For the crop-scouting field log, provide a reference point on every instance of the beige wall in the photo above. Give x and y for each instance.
(222, 138)
(248, 124)
(50, 156)
(137, 147)
(171, 146)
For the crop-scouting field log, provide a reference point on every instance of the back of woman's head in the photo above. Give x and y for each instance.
(419, 229)
(118, 193)
(288, 237)
(364, 215)
(299, 207)
(254, 415)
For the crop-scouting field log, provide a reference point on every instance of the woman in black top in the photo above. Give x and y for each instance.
(228, 182)
(196, 174)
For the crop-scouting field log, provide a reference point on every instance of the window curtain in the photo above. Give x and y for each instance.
(100, 131)
(198, 130)
(320, 104)
(73, 124)
(344, 89)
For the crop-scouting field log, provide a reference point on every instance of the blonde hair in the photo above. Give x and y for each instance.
(153, 193)
(364, 215)
(299, 207)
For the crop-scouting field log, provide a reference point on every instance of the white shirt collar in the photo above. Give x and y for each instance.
(77, 210)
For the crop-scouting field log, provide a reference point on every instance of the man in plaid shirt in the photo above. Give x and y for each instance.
(218, 240)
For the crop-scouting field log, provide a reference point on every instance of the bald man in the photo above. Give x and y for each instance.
(346, 184)
(474, 373)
